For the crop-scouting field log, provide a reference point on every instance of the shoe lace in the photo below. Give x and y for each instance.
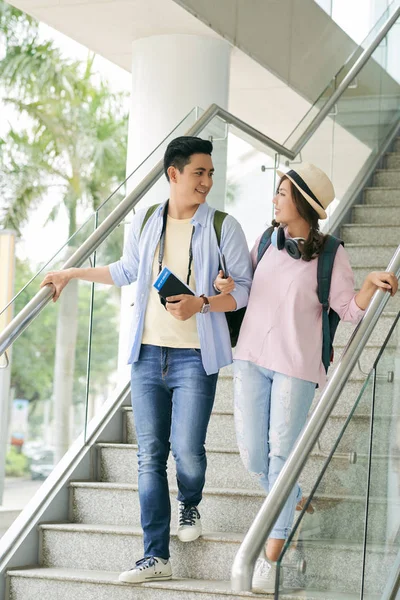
(146, 563)
(188, 515)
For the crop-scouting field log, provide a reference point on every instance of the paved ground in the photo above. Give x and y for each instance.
(17, 493)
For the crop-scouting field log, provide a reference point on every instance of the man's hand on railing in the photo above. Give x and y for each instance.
(58, 279)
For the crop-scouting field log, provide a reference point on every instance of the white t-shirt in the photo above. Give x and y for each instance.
(160, 327)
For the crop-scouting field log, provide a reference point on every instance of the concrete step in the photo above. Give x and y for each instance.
(221, 421)
(372, 234)
(224, 421)
(64, 584)
(382, 195)
(376, 214)
(364, 255)
(385, 393)
(381, 330)
(222, 509)
(392, 160)
(387, 178)
(338, 566)
(360, 273)
(118, 464)
(396, 145)
(367, 360)
(72, 547)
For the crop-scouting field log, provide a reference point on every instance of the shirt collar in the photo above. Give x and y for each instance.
(200, 216)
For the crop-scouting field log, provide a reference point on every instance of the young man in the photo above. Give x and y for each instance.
(176, 351)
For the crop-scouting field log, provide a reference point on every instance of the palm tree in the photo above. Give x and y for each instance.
(72, 138)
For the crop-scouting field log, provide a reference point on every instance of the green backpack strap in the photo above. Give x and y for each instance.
(330, 319)
(151, 210)
(219, 218)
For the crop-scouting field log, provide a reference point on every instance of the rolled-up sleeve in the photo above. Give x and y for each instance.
(125, 270)
(234, 248)
(342, 293)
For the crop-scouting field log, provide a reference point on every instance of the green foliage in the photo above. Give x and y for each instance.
(16, 463)
(70, 139)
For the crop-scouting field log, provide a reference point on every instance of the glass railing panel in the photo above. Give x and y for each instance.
(27, 276)
(244, 176)
(383, 58)
(48, 256)
(383, 514)
(44, 386)
(329, 542)
(346, 143)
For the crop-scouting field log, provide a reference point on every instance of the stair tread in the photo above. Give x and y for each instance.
(369, 246)
(215, 536)
(380, 206)
(226, 491)
(370, 225)
(380, 187)
(216, 450)
(196, 585)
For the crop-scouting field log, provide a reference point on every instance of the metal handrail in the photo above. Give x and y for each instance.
(41, 299)
(243, 565)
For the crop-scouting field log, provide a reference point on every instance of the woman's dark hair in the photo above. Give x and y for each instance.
(180, 150)
(313, 245)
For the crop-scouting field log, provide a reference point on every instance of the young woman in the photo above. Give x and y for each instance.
(278, 356)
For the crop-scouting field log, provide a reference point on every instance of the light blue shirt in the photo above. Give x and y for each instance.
(137, 262)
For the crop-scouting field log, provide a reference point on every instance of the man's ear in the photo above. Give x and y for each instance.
(172, 174)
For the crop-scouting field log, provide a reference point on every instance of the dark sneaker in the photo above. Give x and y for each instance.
(189, 528)
(147, 569)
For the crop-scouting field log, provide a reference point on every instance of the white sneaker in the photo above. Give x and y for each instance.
(264, 577)
(147, 569)
(189, 528)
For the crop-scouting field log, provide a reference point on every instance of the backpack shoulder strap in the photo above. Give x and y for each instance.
(330, 319)
(219, 218)
(265, 242)
(325, 267)
(151, 210)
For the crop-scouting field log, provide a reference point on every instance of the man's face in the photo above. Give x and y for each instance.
(195, 181)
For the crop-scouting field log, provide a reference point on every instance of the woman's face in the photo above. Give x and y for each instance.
(285, 208)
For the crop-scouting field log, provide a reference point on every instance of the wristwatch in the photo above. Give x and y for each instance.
(206, 305)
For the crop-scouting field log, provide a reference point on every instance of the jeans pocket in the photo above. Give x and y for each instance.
(196, 351)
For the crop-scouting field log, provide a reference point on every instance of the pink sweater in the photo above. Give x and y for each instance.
(282, 328)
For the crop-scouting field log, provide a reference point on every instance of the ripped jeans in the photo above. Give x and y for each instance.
(270, 412)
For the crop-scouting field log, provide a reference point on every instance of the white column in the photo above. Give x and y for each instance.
(172, 74)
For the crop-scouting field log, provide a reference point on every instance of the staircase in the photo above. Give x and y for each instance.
(82, 558)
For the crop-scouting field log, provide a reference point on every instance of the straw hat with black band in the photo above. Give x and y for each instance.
(314, 185)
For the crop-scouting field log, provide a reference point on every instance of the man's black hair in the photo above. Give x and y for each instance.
(180, 150)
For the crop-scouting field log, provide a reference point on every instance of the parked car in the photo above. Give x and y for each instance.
(41, 463)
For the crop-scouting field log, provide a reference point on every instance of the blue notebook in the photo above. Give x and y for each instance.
(167, 284)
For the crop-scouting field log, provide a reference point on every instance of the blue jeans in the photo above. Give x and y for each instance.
(270, 412)
(172, 399)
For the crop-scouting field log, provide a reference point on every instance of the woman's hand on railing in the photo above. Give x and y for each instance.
(224, 285)
(58, 279)
(382, 280)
